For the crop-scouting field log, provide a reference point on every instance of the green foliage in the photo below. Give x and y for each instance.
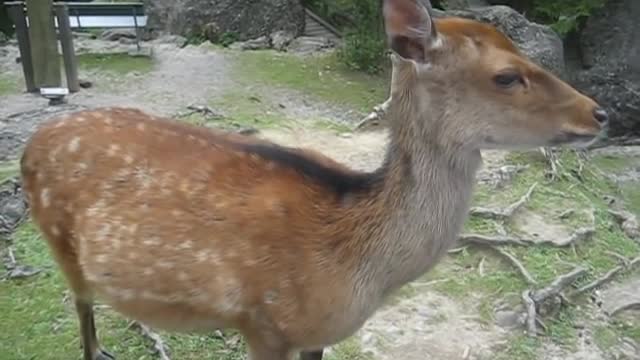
(228, 38)
(564, 16)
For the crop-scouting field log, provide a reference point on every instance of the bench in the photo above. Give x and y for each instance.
(74, 15)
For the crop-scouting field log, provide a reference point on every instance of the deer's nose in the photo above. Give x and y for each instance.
(601, 116)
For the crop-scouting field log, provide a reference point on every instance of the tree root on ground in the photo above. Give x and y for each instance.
(159, 347)
(502, 214)
(533, 299)
(628, 222)
(523, 271)
(626, 265)
(15, 270)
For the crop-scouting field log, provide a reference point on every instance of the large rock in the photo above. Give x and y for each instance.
(247, 19)
(610, 70)
(537, 41)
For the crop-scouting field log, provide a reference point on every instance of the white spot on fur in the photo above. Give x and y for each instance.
(182, 276)
(128, 159)
(148, 271)
(165, 264)
(202, 256)
(113, 149)
(176, 213)
(152, 241)
(40, 176)
(101, 259)
(55, 231)
(186, 245)
(74, 144)
(141, 126)
(108, 120)
(62, 122)
(45, 197)
(81, 119)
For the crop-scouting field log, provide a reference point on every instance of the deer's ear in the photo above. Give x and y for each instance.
(410, 28)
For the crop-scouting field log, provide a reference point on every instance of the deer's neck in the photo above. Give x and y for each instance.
(423, 203)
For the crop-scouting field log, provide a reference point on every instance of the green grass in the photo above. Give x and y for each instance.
(116, 63)
(9, 170)
(8, 85)
(545, 263)
(348, 350)
(321, 76)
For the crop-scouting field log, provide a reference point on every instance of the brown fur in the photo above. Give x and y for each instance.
(191, 229)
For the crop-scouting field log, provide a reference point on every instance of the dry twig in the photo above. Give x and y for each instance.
(159, 346)
(502, 214)
(377, 114)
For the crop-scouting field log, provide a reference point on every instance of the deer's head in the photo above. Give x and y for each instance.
(466, 84)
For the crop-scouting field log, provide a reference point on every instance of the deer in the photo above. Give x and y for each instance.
(192, 229)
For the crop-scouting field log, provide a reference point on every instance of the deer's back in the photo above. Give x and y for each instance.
(158, 212)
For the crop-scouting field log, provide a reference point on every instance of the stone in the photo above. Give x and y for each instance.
(261, 43)
(85, 84)
(310, 44)
(13, 206)
(178, 40)
(281, 39)
(212, 32)
(538, 42)
(117, 34)
(621, 296)
(246, 19)
(609, 68)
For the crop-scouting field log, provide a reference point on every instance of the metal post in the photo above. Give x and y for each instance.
(17, 13)
(135, 22)
(68, 52)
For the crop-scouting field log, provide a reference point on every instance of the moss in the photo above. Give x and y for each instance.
(521, 348)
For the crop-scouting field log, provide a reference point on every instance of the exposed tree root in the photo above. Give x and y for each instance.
(626, 265)
(15, 270)
(628, 222)
(204, 110)
(533, 299)
(523, 271)
(491, 240)
(530, 306)
(558, 285)
(502, 214)
(374, 117)
(159, 347)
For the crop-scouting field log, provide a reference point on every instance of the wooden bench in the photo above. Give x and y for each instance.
(67, 16)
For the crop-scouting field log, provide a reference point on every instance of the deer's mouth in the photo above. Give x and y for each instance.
(575, 139)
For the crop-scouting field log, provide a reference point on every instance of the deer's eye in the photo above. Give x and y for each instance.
(507, 79)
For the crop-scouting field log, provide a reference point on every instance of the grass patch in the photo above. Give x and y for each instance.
(502, 282)
(8, 85)
(116, 63)
(521, 348)
(9, 170)
(348, 350)
(320, 76)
